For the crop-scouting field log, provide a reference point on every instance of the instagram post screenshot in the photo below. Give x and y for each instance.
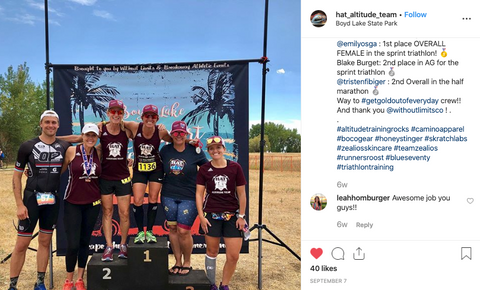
(390, 133)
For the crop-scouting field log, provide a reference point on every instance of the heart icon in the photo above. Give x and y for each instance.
(470, 200)
(316, 252)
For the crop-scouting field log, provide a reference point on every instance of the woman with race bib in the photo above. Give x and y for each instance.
(147, 169)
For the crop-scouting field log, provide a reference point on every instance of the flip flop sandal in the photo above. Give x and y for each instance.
(172, 270)
(185, 268)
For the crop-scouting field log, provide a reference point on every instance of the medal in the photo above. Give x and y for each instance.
(444, 53)
(375, 91)
(87, 163)
(198, 150)
(391, 72)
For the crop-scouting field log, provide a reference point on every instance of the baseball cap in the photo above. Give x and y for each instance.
(215, 140)
(49, 113)
(179, 126)
(150, 109)
(115, 104)
(90, 127)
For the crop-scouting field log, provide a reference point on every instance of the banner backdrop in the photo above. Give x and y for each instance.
(212, 97)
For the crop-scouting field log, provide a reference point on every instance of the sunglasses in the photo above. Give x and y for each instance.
(153, 116)
(116, 112)
(213, 140)
(181, 134)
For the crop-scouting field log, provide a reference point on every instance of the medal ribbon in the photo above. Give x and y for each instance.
(88, 164)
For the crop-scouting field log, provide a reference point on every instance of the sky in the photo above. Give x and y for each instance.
(162, 31)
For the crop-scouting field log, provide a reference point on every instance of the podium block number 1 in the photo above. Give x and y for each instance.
(107, 274)
(147, 256)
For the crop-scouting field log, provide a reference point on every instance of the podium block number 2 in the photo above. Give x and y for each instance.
(107, 274)
(147, 256)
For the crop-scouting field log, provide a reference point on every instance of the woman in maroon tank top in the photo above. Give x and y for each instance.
(116, 177)
(82, 202)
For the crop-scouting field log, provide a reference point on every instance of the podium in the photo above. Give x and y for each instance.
(146, 268)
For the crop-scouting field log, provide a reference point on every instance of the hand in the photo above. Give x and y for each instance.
(22, 212)
(130, 162)
(204, 223)
(194, 141)
(161, 127)
(240, 224)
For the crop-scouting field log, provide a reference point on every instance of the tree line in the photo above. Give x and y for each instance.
(22, 101)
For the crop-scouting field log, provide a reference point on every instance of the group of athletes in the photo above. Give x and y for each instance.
(190, 186)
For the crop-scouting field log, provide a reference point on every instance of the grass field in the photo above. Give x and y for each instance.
(281, 213)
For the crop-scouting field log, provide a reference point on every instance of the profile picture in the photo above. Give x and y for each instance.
(318, 202)
(318, 18)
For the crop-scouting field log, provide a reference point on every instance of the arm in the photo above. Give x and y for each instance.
(242, 199)
(132, 126)
(68, 158)
(71, 138)
(199, 194)
(22, 212)
(99, 151)
(163, 134)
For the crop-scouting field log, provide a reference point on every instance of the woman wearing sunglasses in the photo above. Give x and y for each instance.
(147, 169)
(221, 210)
(180, 163)
(115, 177)
(82, 202)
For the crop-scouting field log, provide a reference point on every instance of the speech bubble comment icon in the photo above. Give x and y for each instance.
(338, 253)
(316, 252)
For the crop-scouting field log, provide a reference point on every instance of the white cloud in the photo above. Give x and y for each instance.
(25, 18)
(289, 124)
(53, 22)
(85, 2)
(281, 71)
(41, 6)
(103, 14)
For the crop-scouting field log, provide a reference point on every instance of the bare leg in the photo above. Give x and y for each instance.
(43, 251)
(124, 213)
(175, 244)
(81, 273)
(107, 213)
(233, 246)
(18, 255)
(186, 246)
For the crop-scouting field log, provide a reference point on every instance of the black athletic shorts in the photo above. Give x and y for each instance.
(47, 215)
(145, 177)
(222, 228)
(119, 187)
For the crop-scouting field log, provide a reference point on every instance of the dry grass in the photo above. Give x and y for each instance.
(281, 270)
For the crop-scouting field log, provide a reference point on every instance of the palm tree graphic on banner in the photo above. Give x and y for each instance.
(216, 101)
(86, 92)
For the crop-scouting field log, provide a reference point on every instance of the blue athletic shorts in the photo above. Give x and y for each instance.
(179, 212)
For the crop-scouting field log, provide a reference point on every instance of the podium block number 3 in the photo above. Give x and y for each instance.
(147, 256)
(107, 274)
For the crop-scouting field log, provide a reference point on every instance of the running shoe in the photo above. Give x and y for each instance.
(150, 237)
(213, 287)
(39, 287)
(79, 285)
(107, 255)
(223, 287)
(68, 285)
(123, 251)
(140, 238)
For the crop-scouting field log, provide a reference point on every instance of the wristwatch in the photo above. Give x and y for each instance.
(242, 216)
